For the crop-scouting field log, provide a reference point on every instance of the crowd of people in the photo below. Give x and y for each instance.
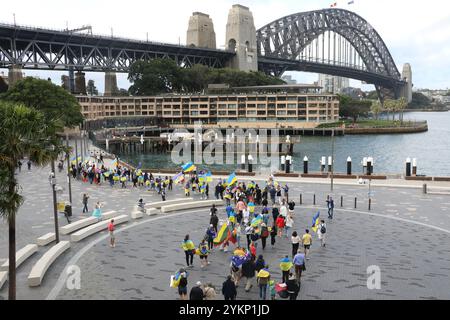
(248, 216)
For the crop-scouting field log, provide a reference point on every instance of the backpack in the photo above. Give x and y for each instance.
(323, 229)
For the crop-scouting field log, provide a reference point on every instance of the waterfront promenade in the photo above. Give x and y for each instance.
(407, 234)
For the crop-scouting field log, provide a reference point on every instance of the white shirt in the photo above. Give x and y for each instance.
(283, 211)
(296, 239)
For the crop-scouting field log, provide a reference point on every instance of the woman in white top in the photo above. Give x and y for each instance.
(321, 232)
(283, 210)
(295, 240)
(289, 224)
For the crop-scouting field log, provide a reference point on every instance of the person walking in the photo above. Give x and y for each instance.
(259, 263)
(307, 242)
(291, 207)
(189, 248)
(97, 211)
(210, 235)
(203, 253)
(299, 265)
(295, 240)
(163, 194)
(197, 292)
(289, 224)
(85, 203)
(29, 165)
(182, 286)
(285, 266)
(19, 164)
(321, 231)
(248, 234)
(263, 279)
(273, 234)
(264, 235)
(248, 272)
(112, 238)
(330, 206)
(209, 292)
(293, 287)
(280, 222)
(229, 289)
(214, 220)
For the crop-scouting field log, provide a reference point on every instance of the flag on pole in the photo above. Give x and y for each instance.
(232, 179)
(188, 167)
(316, 222)
(222, 235)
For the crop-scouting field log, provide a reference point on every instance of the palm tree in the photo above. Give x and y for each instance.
(376, 108)
(23, 132)
(402, 104)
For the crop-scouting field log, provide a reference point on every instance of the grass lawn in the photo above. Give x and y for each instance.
(369, 123)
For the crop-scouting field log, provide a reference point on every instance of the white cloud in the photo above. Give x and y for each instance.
(415, 31)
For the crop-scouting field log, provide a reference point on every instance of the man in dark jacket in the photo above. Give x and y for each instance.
(248, 271)
(229, 289)
(214, 221)
(293, 287)
(196, 292)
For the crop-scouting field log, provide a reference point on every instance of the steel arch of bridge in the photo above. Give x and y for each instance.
(281, 42)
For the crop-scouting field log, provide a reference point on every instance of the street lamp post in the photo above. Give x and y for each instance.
(332, 160)
(52, 179)
(68, 169)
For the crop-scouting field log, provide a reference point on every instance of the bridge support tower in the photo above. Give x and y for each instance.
(80, 83)
(110, 83)
(407, 76)
(241, 38)
(200, 31)
(14, 74)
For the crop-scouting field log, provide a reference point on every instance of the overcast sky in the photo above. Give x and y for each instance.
(415, 31)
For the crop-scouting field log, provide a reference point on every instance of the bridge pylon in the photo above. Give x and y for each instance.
(14, 74)
(241, 38)
(110, 83)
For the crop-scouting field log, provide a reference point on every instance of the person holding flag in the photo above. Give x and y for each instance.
(189, 250)
(263, 279)
(285, 266)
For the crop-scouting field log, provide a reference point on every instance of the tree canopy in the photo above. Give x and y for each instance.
(164, 76)
(353, 108)
(52, 100)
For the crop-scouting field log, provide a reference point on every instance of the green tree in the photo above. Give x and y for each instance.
(401, 106)
(154, 77)
(392, 106)
(91, 88)
(353, 108)
(23, 132)
(376, 108)
(419, 101)
(55, 102)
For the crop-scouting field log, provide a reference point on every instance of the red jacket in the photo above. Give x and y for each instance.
(280, 222)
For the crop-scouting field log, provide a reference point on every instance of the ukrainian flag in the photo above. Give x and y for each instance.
(256, 222)
(74, 159)
(178, 177)
(232, 179)
(263, 273)
(208, 176)
(188, 167)
(316, 222)
(114, 163)
(222, 235)
(188, 245)
(285, 264)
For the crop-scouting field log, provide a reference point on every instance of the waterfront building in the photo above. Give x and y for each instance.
(296, 106)
(332, 84)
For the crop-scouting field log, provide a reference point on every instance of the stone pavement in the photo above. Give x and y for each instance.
(413, 257)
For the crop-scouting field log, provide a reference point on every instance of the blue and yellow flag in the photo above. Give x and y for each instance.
(232, 179)
(285, 264)
(188, 167)
(316, 222)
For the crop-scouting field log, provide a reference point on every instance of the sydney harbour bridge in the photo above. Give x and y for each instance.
(330, 41)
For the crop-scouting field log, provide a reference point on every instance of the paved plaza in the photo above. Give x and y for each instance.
(406, 234)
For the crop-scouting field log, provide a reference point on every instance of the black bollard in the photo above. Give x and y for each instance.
(370, 203)
(314, 199)
(305, 165)
(301, 199)
(356, 199)
(408, 167)
(288, 164)
(342, 201)
(349, 166)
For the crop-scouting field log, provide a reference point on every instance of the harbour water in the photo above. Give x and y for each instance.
(431, 149)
